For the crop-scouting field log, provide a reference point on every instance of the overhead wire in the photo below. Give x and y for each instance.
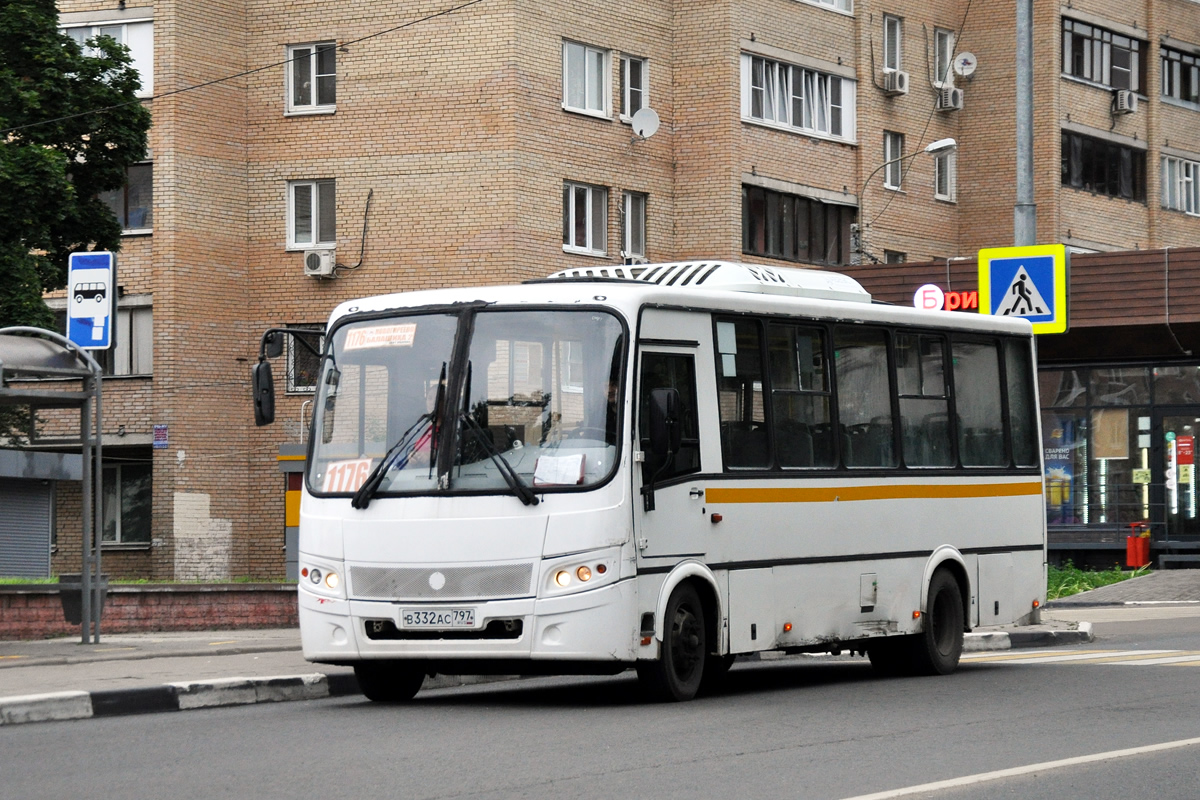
(4, 132)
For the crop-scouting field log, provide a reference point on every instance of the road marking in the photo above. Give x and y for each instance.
(231, 641)
(1013, 772)
(4, 657)
(1090, 656)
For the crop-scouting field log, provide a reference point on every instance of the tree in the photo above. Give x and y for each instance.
(70, 125)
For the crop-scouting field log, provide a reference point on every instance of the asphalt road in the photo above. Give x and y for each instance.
(808, 728)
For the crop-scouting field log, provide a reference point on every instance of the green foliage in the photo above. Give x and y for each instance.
(55, 159)
(1069, 579)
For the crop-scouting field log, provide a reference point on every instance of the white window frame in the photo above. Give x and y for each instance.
(893, 151)
(595, 212)
(943, 58)
(1098, 44)
(597, 88)
(1172, 63)
(798, 99)
(112, 504)
(633, 222)
(316, 211)
(629, 91)
(292, 108)
(843, 6)
(945, 171)
(136, 34)
(1181, 185)
(893, 43)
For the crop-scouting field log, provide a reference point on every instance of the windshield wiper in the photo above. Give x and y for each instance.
(519, 487)
(399, 453)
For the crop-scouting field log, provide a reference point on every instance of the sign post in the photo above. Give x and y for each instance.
(91, 324)
(1028, 282)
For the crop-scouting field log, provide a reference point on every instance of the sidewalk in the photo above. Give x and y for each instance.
(139, 673)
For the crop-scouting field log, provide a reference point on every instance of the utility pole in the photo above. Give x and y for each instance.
(1025, 211)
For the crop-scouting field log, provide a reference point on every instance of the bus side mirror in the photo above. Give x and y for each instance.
(666, 432)
(264, 393)
(273, 344)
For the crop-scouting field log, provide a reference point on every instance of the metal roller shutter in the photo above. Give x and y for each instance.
(26, 512)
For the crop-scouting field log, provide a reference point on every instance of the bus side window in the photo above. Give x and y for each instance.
(800, 396)
(924, 402)
(1021, 408)
(860, 357)
(744, 442)
(669, 371)
(977, 393)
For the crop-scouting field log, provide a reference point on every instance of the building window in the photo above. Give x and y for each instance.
(893, 43)
(840, 5)
(585, 79)
(137, 36)
(792, 97)
(133, 203)
(1180, 187)
(633, 215)
(312, 214)
(795, 228)
(585, 218)
(1180, 75)
(304, 366)
(945, 165)
(943, 58)
(893, 152)
(894, 257)
(1103, 167)
(133, 351)
(127, 503)
(1101, 56)
(635, 85)
(312, 78)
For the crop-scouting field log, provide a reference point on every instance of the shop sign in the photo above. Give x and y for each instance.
(930, 297)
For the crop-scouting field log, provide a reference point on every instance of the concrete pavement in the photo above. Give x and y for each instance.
(139, 673)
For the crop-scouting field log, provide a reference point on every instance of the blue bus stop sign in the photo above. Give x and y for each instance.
(1028, 282)
(92, 300)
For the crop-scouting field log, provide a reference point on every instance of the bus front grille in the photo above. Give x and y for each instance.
(441, 583)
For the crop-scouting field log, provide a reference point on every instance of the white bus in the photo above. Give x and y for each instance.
(662, 467)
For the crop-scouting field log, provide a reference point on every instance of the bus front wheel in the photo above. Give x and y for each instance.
(937, 649)
(389, 681)
(677, 674)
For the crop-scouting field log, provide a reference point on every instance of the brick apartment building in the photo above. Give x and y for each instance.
(492, 144)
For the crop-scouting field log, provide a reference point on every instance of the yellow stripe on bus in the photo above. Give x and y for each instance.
(903, 491)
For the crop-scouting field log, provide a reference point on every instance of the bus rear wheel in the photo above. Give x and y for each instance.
(937, 649)
(678, 672)
(389, 681)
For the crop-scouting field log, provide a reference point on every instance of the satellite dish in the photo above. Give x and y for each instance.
(645, 123)
(964, 64)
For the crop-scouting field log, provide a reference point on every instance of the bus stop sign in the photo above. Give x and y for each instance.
(1028, 282)
(92, 300)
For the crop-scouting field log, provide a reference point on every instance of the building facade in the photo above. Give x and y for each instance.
(303, 154)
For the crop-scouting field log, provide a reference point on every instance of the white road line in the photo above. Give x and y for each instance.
(1058, 659)
(1013, 772)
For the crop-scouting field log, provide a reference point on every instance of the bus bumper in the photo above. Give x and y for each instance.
(598, 625)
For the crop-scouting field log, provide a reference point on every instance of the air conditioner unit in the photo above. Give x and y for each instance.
(1125, 102)
(895, 82)
(950, 99)
(319, 263)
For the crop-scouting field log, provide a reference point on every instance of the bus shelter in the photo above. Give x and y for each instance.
(43, 370)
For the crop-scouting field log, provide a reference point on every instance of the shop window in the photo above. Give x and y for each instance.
(1120, 386)
(1177, 385)
(127, 503)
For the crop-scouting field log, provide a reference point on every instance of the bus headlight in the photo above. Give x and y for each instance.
(322, 579)
(580, 572)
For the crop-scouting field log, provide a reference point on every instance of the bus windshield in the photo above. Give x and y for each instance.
(534, 394)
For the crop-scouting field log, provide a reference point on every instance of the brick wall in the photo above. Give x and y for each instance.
(36, 612)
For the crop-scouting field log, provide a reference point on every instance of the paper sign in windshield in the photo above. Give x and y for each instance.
(558, 471)
(346, 476)
(381, 336)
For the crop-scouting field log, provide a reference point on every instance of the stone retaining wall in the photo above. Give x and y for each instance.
(35, 611)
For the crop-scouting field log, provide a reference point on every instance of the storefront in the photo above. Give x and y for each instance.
(1120, 399)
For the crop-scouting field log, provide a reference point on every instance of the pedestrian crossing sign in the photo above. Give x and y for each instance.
(1026, 282)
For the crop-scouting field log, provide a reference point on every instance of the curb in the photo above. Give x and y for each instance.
(184, 696)
(1013, 640)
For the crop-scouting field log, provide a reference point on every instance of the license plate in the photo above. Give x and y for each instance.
(437, 618)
